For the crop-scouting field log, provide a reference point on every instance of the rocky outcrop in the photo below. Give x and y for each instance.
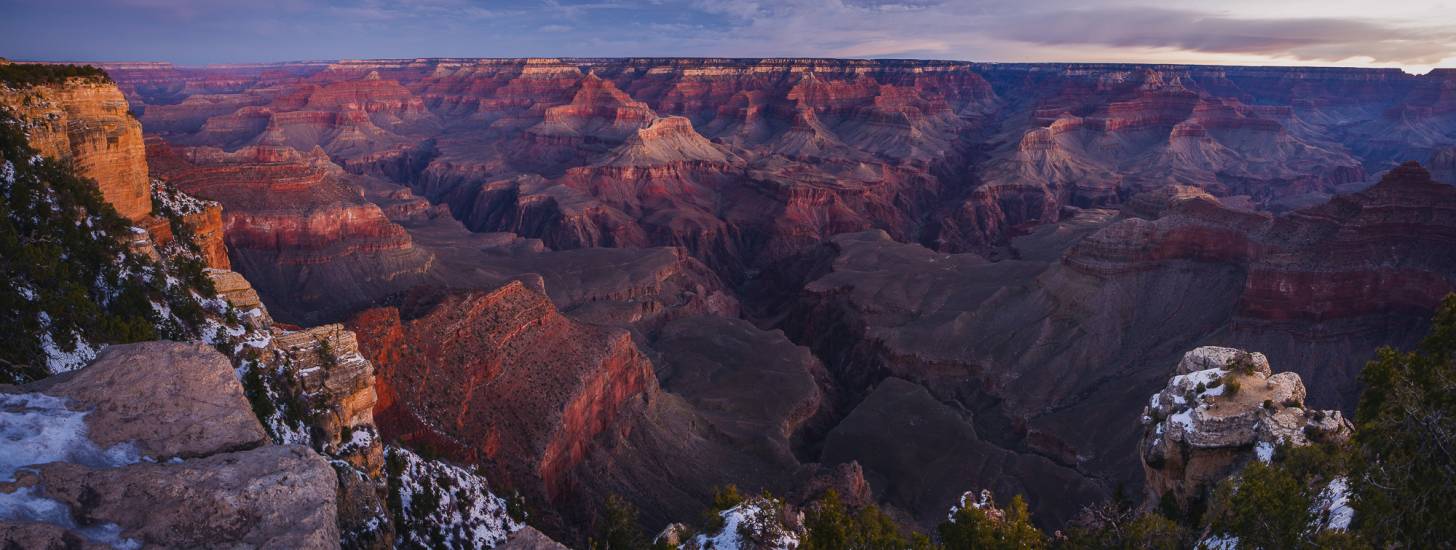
(1222, 408)
(528, 538)
(271, 496)
(200, 221)
(154, 444)
(502, 379)
(236, 289)
(329, 371)
(88, 121)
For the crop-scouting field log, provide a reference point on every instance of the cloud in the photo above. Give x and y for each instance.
(1307, 39)
(887, 47)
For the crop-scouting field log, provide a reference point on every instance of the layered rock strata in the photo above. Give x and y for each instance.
(514, 386)
(87, 120)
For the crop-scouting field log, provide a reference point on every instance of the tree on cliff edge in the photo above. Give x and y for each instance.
(1406, 440)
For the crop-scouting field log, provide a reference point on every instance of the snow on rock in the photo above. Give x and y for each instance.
(59, 360)
(173, 200)
(1332, 507)
(1201, 428)
(1265, 451)
(1219, 542)
(39, 429)
(983, 501)
(440, 505)
(752, 524)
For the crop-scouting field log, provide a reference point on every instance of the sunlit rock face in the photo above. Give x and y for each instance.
(89, 122)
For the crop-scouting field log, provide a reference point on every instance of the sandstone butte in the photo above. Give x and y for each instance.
(89, 122)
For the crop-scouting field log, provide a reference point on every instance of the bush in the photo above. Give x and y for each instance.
(1242, 363)
(1266, 507)
(972, 528)
(828, 525)
(20, 75)
(724, 497)
(619, 529)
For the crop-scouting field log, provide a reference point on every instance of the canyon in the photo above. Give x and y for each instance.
(903, 280)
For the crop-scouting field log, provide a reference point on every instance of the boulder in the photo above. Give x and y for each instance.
(168, 399)
(274, 496)
(154, 444)
(528, 538)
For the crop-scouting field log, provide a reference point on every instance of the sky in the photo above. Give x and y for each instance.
(1415, 35)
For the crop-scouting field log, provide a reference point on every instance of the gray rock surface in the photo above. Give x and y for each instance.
(1199, 430)
(168, 399)
(198, 470)
(275, 496)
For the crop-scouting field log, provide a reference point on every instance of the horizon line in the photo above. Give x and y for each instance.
(723, 58)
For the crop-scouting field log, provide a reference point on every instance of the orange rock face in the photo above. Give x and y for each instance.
(90, 122)
(502, 379)
(207, 230)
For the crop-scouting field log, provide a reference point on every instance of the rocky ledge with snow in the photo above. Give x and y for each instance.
(1222, 408)
(154, 444)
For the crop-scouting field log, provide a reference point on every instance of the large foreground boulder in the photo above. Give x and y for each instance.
(168, 399)
(154, 444)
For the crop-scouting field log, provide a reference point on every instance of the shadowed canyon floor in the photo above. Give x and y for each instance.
(652, 276)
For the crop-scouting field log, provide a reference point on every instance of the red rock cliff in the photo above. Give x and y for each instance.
(502, 379)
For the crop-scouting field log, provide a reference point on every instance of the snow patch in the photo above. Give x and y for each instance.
(39, 429)
(1265, 451)
(1332, 506)
(445, 506)
(58, 360)
(1219, 542)
(752, 524)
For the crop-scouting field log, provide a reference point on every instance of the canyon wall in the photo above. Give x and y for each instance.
(87, 121)
(1012, 253)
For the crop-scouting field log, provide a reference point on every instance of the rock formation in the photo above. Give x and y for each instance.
(88, 121)
(514, 385)
(163, 450)
(158, 444)
(1222, 408)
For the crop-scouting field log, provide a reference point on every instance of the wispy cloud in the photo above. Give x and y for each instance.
(1306, 39)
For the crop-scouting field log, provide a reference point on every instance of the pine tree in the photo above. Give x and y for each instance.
(1405, 482)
